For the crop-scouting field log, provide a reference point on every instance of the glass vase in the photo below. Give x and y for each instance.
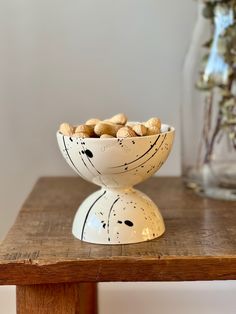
(209, 103)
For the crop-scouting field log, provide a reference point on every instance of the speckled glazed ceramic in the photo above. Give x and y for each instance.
(117, 213)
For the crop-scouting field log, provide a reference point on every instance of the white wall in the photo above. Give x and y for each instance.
(71, 60)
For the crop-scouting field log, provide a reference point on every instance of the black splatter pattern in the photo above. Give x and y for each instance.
(152, 145)
(85, 220)
(89, 153)
(129, 223)
(156, 150)
(108, 222)
(68, 155)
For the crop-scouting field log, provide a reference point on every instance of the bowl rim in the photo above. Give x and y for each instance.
(171, 129)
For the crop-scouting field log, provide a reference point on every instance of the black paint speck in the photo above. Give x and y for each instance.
(129, 223)
(104, 225)
(119, 222)
(82, 151)
(133, 142)
(89, 153)
(109, 239)
(71, 139)
(126, 168)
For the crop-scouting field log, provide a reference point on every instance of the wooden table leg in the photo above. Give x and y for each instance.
(65, 298)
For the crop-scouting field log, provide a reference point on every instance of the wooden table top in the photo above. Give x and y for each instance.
(199, 242)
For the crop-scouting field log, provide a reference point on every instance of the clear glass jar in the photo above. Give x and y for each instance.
(209, 102)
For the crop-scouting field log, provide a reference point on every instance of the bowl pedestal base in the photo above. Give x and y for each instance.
(118, 216)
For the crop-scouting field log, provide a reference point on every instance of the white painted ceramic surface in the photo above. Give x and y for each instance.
(117, 213)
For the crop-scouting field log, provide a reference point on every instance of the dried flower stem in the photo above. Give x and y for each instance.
(210, 146)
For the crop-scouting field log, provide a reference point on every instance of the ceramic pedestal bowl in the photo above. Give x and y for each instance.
(117, 213)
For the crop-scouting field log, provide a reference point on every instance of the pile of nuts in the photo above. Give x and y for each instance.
(117, 126)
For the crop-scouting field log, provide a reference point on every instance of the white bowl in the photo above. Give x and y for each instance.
(117, 214)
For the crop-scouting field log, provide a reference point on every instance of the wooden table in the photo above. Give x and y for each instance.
(56, 273)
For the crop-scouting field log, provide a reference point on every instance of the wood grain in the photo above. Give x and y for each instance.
(199, 243)
(61, 298)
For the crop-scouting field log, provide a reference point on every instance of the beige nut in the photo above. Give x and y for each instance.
(81, 135)
(130, 124)
(106, 136)
(140, 129)
(85, 129)
(125, 132)
(66, 129)
(119, 118)
(92, 121)
(106, 128)
(153, 122)
(152, 130)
